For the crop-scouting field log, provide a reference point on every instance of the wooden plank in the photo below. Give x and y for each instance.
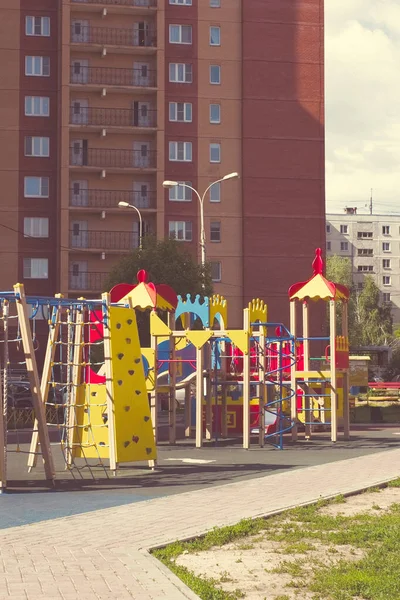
(246, 384)
(332, 319)
(3, 403)
(72, 433)
(293, 376)
(109, 381)
(172, 385)
(199, 397)
(34, 381)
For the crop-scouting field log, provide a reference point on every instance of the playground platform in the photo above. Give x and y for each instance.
(101, 554)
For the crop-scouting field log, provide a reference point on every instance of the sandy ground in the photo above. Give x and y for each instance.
(248, 565)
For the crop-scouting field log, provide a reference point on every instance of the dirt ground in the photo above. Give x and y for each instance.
(248, 565)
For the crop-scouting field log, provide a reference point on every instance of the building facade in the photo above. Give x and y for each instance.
(103, 100)
(372, 243)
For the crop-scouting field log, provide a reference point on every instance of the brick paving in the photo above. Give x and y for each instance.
(104, 554)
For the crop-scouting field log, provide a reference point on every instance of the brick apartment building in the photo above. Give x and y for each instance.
(102, 100)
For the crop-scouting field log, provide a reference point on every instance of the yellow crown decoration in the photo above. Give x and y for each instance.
(219, 306)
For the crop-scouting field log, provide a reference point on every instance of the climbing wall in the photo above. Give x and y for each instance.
(134, 440)
(90, 429)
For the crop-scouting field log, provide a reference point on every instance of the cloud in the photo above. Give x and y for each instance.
(362, 103)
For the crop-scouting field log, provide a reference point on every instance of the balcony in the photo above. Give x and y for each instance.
(112, 158)
(101, 241)
(120, 118)
(97, 77)
(93, 282)
(119, 6)
(101, 199)
(141, 36)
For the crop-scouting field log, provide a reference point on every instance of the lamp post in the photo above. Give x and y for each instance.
(127, 205)
(170, 184)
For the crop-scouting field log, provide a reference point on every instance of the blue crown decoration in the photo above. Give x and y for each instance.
(199, 307)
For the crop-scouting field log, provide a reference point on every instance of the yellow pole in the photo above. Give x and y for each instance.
(332, 319)
(346, 376)
(246, 384)
(306, 353)
(293, 403)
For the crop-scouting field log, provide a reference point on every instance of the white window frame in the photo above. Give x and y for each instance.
(218, 120)
(40, 146)
(385, 229)
(386, 297)
(183, 149)
(213, 192)
(40, 66)
(181, 2)
(344, 246)
(217, 229)
(215, 29)
(386, 264)
(183, 108)
(219, 72)
(344, 229)
(214, 147)
(36, 227)
(34, 24)
(41, 181)
(179, 30)
(215, 3)
(386, 280)
(219, 277)
(40, 265)
(185, 226)
(386, 247)
(187, 74)
(37, 106)
(179, 193)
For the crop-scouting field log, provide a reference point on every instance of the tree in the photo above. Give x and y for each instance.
(370, 322)
(166, 261)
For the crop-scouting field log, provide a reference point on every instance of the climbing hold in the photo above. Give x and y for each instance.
(105, 418)
(146, 418)
(128, 340)
(93, 394)
(85, 410)
(127, 408)
(148, 450)
(120, 355)
(118, 325)
(138, 392)
(120, 382)
(129, 321)
(137, 360)
(126, 444)
(101, 444)
(135, 439)
(131, 372)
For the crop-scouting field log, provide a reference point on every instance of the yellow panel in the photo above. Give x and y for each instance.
(90, 439)
(240, 338)
(199, 338)
(157, 326)
(134, 440)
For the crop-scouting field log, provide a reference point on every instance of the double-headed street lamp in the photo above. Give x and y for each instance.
(171, 184)
(127, 205)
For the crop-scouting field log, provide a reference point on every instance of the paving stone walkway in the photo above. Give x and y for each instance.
(104, 554)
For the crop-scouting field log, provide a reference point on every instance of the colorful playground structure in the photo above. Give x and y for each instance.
(99, 392)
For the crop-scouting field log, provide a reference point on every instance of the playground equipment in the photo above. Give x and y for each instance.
(99, 395)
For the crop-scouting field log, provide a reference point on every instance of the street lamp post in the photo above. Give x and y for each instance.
(127, 205)
(170, 184)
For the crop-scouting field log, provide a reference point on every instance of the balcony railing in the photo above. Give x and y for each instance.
(141, 77)
(87, 281)
(110, 198)
(104, 240)
(135, 3)
(112, 36)
(140, 116)
(112, 157)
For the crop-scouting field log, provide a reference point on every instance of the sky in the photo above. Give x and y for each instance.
(362, 73)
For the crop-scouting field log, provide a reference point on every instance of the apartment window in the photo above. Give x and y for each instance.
(215, 3)
(36, 268)
(215, 36)
(344, 246)
(360, 285)
(180, 111)
(37, 227)
(215, 113)
(215, 192)
(180, 34)
(365, 268)
(215, 231)
(215, 74)
(386, 280)
(178, 193)
(36, 187)
(182, 2)
(385, 246)
(37, 106)
(328, 246)
(385, 229)
(365, 252)
(215, 153)
(328, 229)
(216, 271)
(386, 263)
(344, 229)
(37, 26)
(37, 66)
(386, 297)
(37, 146)
(181, 230)
(180, 151)
(180, 73)
(362, 235)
